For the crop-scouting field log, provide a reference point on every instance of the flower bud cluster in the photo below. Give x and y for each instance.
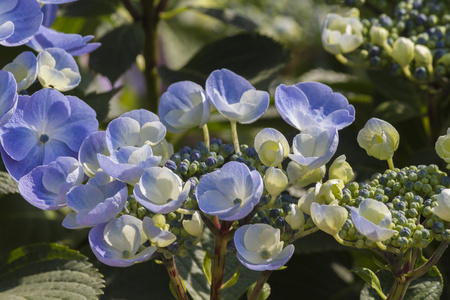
(410, 194)
(411, 37)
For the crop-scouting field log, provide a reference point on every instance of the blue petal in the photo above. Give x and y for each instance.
(228, 85)
(19, 168)
(8, 96)
(289, 101)
(49, 11)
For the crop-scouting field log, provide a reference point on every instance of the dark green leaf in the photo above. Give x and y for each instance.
(265, 292)
(229, 16)
(90, 8)
(118, 51)
(7, 184)
(257, 58)
(44, 271)
(100, 102)
(427, 287)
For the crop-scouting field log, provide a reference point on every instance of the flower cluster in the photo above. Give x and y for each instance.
(410, 37)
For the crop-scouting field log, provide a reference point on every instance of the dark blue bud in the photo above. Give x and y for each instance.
(173, 247)
(400, 205)
(445, 181)
(427, 202)
(405, 232)
(420, 73)
(274, 213)
(440, 45)
(280, 222)
(171, 165)
(438, 227)
(374, 51)
(375, 61)
(422, 41)
(216, 141)
(240, 159)
(266, 220)
(211, 161)
(228, 149)
(386, 21)
(195, 155)
(417, 4)
(251, 152)
(183, 167)
(287, 198)
(185, 149)
(421, 19)
(176, 158)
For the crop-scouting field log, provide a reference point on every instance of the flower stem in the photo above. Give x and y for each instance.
(399, 289)
(234, 134)
(175, 278)
(206, 135)
(218, 266)
(390, 163)
(260, 284)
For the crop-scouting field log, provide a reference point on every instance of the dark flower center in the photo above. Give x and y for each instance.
(44, 138)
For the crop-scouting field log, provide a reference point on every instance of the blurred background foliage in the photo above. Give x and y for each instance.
(269, 43)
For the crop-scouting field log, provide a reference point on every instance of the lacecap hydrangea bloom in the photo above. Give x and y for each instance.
(235, 98)
(259, 247)
(231, 192)
(19, 21)
(46, 125)
(342, 34)
(184, 106)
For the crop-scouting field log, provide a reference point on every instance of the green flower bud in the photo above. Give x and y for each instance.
(379, 138)
(340, 169)
(378, 36)
(275, 181)
(403, 51)
(329, 218)
(194, 226)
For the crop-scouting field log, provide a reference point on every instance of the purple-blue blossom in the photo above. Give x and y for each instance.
(161, 191)
(8, 96)
(117, 242)
(259, 247)
(50, 11)
(134, 128)
(312, 104)
(74, 44)
(19, 21)
(24, 68)
(128, 163)
(184, 106)
(97, 202)
(46, 186)
(231, 192)
(235, 98)
(94, 144)
(46, 125)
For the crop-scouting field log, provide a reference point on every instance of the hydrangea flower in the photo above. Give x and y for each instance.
(158, 237)
(329, 218)
(73, 44)
(275, 181)
(58, 70)
(235, 98)
(314, 146)
(134, 128)
(403, 51)
(128, 163)
(313, 104)
(340, 169)
(311, 196)
(161, 191)
(379, 138)
(301, 176)
(97, 202)
(442, 147)
(50, 11)
(24, 68)
(92, 145)
(342, 34)
(296, 219)
(163, 149)
(229, 193)
(442, 210)
(8, 96)
(46, 186)
(19, 21)
(271, 146)
(46, 125)
(259, 247)
(373, 220)
(117, 242)
(184, 106)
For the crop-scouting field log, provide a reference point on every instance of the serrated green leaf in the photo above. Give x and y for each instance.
(257, 58)
(44, 271)
(229, 16)
(207, 267)
(371, 279)
(265, 292)
(118, 51)
(90, 8)
(100, 102)
(7, 184)
(232, 281)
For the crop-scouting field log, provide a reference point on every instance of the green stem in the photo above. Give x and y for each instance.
(399, 289)
(175, 278)
(235, 137)
(259, 285)
(149, 24)
(206, 135)
(431, 262)
(218, 266)
(390, 163)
